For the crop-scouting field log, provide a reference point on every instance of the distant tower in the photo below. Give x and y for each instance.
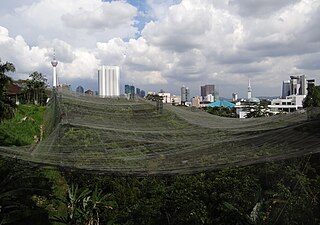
(54, 63)
(249, 90)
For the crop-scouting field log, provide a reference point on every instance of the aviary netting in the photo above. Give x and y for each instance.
(117, 135)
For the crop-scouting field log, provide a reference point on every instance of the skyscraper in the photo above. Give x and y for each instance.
(285, 88)
(108, 81)
(185, 92)
(207, 90)
(297, 85)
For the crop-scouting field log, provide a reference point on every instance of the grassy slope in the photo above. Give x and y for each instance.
(22, 129)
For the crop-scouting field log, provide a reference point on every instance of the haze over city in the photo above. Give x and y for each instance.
(162, 44)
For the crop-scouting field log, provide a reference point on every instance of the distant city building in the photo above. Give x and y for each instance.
(89, 92)
(234, 97)
(64, 87)
(185, 95)
(129, 89)
(297, 85)
(209, 93)
(138, 92)
(175, 100)
(166, 97)
(207, 89)
(151, 93)
(293, 93)
(108, 81)
(195, 101)
(80, 90)
(285, 88)
(209, 98)
(290, 104)
(142, 93)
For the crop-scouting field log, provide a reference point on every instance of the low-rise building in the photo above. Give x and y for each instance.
(289, 104)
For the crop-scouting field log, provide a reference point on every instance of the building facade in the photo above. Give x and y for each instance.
(80, 90)
(109, 81)
(297, 85)
(185, 94)
(129, 89)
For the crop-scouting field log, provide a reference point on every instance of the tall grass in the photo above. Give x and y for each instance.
(24, 128)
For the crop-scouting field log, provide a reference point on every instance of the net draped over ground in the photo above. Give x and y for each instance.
(117, 135)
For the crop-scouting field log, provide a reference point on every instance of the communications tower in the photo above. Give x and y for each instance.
(54, 63)
(249, 90)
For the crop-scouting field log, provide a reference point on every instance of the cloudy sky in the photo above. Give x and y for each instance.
(164, 44)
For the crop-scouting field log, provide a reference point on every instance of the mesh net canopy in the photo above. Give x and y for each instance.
(117, 135)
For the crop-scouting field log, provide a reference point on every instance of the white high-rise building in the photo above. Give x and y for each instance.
(109, 81)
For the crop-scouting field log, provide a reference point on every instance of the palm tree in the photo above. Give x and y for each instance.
(6, 105)
(84, 206)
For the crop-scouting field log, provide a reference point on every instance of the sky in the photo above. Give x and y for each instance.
(164, 44)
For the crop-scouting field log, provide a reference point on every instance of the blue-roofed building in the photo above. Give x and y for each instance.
(221, 103)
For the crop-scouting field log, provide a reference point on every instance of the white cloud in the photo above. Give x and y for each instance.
(191, 42)
(101, 16)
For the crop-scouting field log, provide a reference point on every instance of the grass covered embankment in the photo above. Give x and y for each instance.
(24, 128)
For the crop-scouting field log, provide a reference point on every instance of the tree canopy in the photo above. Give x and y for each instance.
(6, 105)
(313, 97)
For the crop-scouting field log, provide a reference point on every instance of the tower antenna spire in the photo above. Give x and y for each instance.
(249, 89)
(54, 64)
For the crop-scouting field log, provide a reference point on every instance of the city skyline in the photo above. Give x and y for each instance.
(165, 44)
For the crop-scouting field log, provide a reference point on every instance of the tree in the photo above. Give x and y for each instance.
(36, 88)
(84, 206)
(6, 105)
(21, 189)
(258, 111)
(313, 97)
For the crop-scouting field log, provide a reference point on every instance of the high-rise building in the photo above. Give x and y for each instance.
(80, 90)
(138, 92)
(207, 90)
(285, 88)
(108, 81)
(185, 94)
(234, 97)
(297, 85)
(129, 89)
(142, 93)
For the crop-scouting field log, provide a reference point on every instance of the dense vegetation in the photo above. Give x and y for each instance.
(221, 111)
(313, 97)
(285, 192)
(24, 128)
(6, 104)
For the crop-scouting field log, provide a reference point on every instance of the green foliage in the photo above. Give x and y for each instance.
(24, 128)
(258, 111)
(274, 193)
(313, 97)
(36, 89)
(155, 97)
(84, 206)
(20, 189)
(222, 111)
(6, 105)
